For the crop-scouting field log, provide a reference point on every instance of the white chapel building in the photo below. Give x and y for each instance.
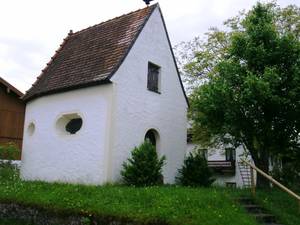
(106, 89)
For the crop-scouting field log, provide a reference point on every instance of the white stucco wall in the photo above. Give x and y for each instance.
(138, 110)
(221, 180)
(80, 158)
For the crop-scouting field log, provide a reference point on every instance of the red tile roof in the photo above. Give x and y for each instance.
(90, 56)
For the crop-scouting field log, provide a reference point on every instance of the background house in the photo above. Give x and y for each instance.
(226, 164)
(12, 110)
(106, 89)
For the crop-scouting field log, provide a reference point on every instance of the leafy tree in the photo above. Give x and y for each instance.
(198, 58)
(195, 171)
(252, 96)
(289, 175)
(144, 168)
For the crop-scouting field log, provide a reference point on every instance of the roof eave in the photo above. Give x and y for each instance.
(66, 89)
(9, 86)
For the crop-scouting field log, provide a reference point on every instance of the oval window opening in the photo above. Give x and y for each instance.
(69, 124)
(74, 125)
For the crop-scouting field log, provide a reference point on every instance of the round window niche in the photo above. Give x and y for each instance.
(31, 129)
(69, 124)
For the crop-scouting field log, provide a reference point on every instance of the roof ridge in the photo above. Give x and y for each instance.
(51, 59)
(115, 18)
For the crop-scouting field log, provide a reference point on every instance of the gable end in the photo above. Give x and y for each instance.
(173, 56)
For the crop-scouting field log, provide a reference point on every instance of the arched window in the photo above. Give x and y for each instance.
(150, 136)
(153, 137)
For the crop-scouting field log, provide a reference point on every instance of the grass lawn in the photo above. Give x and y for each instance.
(173, 204)
(285, 207)
(176, 205)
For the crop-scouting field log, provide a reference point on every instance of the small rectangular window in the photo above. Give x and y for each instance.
(153, 77)
(230, 154)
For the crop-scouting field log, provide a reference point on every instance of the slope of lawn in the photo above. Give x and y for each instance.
(284, 207)
(175, 205)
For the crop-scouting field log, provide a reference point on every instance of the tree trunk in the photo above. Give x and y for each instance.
(260, 156)
(263, 164)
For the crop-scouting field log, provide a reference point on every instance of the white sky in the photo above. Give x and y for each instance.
(31, 30)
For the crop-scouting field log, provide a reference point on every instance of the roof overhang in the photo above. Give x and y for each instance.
(10, 87)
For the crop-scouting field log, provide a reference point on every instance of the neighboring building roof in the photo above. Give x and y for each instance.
(10, 87)
(90, 56)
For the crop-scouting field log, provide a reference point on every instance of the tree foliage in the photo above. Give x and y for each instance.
(252, 97)
(198, 58)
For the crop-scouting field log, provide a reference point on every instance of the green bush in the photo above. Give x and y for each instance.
(195, 172)
(9, 151)
(144, 168)
(8, 172)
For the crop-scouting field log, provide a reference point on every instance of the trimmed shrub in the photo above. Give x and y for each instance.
(144, 168)
(195, 172)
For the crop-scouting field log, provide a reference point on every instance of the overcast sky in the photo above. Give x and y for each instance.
(32, 30)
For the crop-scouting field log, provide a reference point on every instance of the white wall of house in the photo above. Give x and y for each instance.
(219, 155)
(223, 179)
(52, 155)
(136, 109)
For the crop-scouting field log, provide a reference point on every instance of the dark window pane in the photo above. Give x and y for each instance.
(153, 77)
(230, 154)
(74, 125)
(150, 136)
